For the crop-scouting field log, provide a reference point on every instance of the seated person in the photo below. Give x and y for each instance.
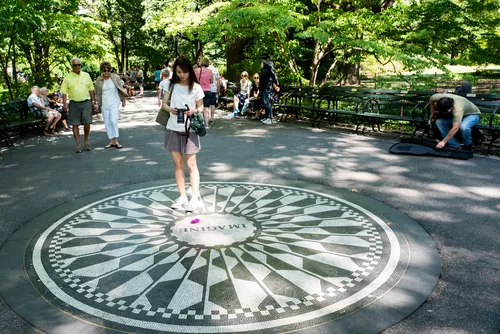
(254, 97)
(34, 100)
(242, 97)
(454, 113)
(51, 101)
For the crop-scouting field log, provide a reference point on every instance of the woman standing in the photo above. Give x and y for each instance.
(110, 94)
(205, 79)
(184, 90)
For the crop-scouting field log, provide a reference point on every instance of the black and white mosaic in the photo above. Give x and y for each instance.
(261, 257)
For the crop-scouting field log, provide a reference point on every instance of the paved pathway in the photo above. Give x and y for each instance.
(456, 202)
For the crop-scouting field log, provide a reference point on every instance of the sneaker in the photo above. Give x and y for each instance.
(267, 121)
(230, 116)
(47, 133)
(193, 205)
(211, 121)
(179, 203)
(207, 126)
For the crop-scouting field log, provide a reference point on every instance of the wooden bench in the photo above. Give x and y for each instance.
(369, 107)
(16, 115)
(365, 106)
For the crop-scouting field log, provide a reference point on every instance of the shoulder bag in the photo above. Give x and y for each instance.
(163, 116)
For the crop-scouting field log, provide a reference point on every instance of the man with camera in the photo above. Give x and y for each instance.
(454, 113)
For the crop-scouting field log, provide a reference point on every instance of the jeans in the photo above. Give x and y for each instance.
(445, 124)
(245, 107)
(266, 99)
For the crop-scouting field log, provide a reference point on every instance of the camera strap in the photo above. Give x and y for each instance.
(187, 127)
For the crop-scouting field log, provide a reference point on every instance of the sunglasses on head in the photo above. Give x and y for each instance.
(77, 65)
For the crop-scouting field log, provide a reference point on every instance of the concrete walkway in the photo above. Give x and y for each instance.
(456, 202)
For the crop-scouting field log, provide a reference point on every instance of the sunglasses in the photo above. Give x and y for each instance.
(77, 65)
(106, 70)
(255, 78)
(244, 76)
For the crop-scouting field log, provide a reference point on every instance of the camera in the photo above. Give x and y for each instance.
(180, 114)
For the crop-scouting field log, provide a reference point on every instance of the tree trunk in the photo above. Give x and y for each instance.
(121, 62)
(199, 51)
(350, 74)
(235, 55)
(287, 53)
(3, 67)
(350, 71)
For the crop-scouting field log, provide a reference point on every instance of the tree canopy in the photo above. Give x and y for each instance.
(312, 41)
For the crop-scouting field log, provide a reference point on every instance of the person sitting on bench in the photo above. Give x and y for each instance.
(454, 113)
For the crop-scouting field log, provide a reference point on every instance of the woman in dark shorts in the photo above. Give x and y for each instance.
(184, 90)
(205, 78)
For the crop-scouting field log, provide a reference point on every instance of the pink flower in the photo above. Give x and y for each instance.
(195, 221)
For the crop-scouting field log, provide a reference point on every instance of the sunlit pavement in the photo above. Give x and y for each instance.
(287, 205)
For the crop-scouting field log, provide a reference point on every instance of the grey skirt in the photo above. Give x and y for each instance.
(176, 142)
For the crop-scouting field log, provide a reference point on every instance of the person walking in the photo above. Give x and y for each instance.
(132, 81)
(268, 77)
(157, 77)
(80, 88)
(140, 80)
(213, 87)
(165, 74)
(183, 90)
(110, 95)
(205, 78)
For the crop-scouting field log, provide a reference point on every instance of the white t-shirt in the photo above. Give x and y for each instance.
(181, 96)
(110, 97)
(216, 76)
(164, 84)
(34, 99)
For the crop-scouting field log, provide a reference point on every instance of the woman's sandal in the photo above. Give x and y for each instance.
(118, 146)
(109, 146)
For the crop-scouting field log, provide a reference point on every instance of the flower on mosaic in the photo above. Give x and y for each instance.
(195, 221)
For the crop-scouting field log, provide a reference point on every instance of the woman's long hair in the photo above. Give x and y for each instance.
(185, 65)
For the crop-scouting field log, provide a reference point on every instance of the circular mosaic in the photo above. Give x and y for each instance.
(257, 257)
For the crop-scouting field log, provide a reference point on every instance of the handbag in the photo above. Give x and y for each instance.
(163, 116)
(198, 124)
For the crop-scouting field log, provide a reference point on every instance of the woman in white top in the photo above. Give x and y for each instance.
(244, 94)
(110, 95)
(183, 90)
(165, 75)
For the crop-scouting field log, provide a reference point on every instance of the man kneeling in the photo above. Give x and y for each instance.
(53, 116)
(454, 113)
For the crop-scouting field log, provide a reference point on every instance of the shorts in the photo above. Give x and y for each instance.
(54, 114)
(140, 83)
(176, 142)
(208, 99)
(80, 113)
(241, 98)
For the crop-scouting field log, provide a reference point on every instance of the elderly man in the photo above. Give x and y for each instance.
(53, 116)
(454, 113)
(78, 85)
